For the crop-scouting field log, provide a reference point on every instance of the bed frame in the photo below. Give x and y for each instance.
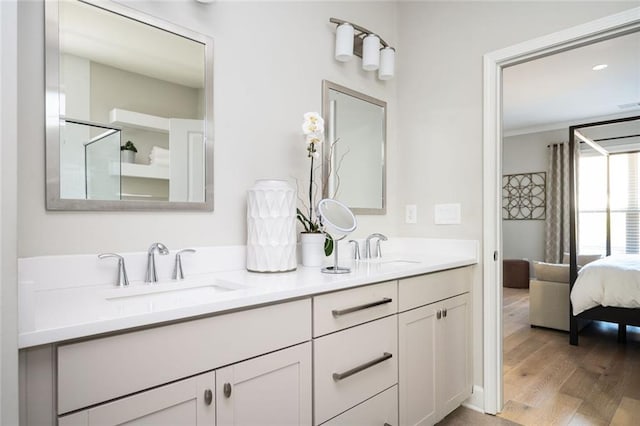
(621, 316)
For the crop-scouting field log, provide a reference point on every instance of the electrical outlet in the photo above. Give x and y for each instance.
(411, 213)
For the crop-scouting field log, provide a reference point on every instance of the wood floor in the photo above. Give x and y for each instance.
(549, 382)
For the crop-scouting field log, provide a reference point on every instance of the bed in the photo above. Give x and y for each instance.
(607, 289)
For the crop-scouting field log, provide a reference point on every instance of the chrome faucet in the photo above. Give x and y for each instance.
(367, 245)
(152, 275)
(356, 249)
(178, 273)
(122, 279)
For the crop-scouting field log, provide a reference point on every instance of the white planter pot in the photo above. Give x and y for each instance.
(127, 156)
(271, 227)
(312, 246)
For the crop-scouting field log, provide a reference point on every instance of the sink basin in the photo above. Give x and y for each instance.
(399, 262)
(169, 291)
(391, 261)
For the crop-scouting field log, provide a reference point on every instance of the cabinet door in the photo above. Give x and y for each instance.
(453, 354)
(417, 336)
(186, 402)
(273, 389)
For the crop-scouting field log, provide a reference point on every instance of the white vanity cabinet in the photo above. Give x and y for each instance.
(273, 389)
(390, 353)
(434, 345)
(154, 375)
(360, 359)
(186, 402)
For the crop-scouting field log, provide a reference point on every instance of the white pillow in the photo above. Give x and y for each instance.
(551, 272)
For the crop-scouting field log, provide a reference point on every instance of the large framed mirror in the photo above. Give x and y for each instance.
(129, 110)
(354, 151)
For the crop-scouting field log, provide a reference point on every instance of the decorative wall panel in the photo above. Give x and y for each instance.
(524, 196)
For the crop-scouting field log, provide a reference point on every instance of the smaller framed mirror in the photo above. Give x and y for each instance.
(354, 151)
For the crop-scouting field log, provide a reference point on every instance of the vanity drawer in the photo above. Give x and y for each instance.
(429, 288)
(353, 365)
(98, 370)
(346, 308)
(380, 410)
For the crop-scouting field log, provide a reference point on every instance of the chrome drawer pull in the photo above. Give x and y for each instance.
(340, 376)
(338, 312)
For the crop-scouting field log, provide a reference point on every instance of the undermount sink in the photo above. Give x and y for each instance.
(172, 290)
(399, 262)
(391, 261)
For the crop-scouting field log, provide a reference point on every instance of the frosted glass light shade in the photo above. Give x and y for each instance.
(344, 42)
(371, 52)
(387, 63)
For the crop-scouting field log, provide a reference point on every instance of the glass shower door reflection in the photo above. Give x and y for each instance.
(90, 161)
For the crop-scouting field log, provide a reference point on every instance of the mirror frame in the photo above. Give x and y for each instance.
(52, 107)
(326, 87)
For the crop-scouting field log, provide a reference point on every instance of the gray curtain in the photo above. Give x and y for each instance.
(558, 203)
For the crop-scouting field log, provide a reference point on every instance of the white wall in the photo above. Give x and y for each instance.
(525, 239)
(440, 51)
(270, 60)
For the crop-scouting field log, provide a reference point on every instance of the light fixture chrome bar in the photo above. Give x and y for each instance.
(359, 36)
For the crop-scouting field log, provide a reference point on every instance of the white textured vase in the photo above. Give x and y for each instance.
(271, 226)
(312, 246)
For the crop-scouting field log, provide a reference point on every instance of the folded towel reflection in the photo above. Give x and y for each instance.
(164, 162)
(159, 156)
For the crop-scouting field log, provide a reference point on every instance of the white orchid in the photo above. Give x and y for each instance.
(313, 129)
(313, 124)
(313, 139)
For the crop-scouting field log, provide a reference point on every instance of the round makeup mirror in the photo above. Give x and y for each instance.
(338, 221)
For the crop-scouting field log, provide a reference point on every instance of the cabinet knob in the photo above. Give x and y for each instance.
(439, 314)
(226, 389)
(208, 397)
(444, 312)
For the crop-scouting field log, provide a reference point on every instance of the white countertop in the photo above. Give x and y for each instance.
(57, 305)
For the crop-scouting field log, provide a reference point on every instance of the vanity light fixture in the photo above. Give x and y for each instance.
(376, 54)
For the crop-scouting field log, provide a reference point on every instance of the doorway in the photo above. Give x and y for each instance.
(494, 63)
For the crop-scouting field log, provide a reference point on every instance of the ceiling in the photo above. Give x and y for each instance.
(562, 89)
(108, 38)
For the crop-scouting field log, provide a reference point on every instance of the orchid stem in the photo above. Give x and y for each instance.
(311, 192)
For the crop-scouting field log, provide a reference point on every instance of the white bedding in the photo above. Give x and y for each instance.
(612, 281)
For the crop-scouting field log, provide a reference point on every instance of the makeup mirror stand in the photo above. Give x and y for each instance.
(338, 221)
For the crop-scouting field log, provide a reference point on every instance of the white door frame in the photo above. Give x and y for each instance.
(598, 30)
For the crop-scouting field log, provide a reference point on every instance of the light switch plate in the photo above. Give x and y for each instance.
(411, 213)
(447, 214)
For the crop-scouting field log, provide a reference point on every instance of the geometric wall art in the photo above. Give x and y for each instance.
(524, 196)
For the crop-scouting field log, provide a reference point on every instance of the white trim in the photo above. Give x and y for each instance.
(494, 62)
(476, 400)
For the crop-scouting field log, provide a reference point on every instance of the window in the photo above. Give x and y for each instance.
(623, 197)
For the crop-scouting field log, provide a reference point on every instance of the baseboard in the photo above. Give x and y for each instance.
(476, 401)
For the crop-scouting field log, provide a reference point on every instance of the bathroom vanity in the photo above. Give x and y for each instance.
(389, 343)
